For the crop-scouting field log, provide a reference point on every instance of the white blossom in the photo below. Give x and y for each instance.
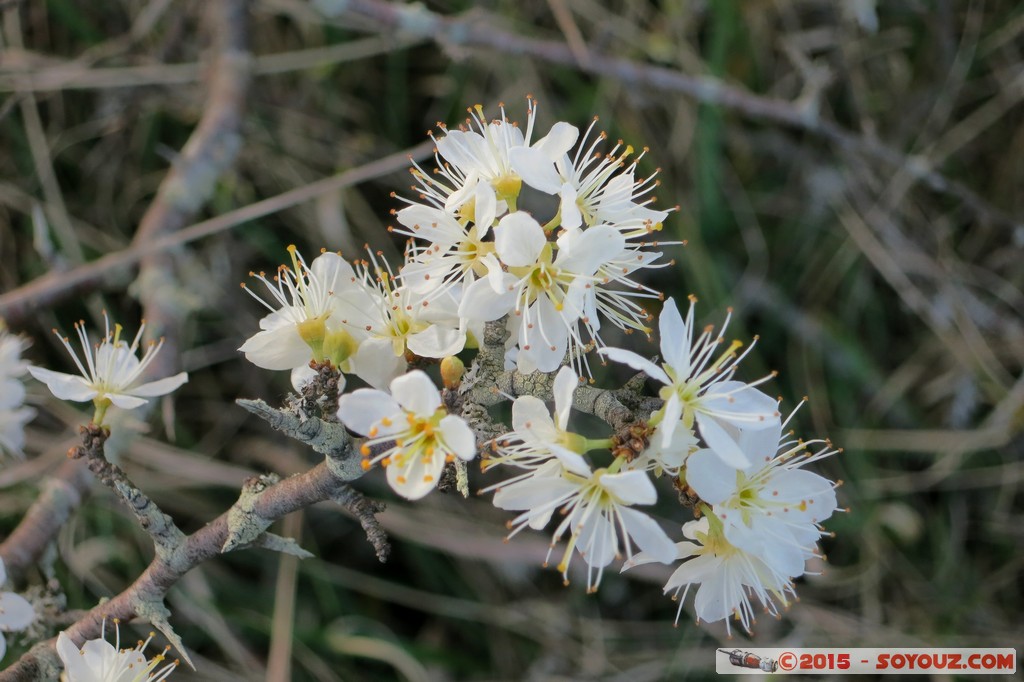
(417, 433)
(544, 288)
(699, 386)
(16, 613)
(100, 661)
(728, 579)
(596, 505)
(302, 307)
(772, 508)
(110, 371)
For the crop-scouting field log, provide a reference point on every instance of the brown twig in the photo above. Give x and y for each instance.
(61, 494)
(209, 152)
(316, 485)
(474, 30)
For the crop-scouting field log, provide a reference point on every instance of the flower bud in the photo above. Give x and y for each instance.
(452, 370)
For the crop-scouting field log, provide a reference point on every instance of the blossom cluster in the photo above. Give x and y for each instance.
(546, 236)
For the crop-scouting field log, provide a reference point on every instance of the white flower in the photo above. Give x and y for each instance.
(698, 386)
(771, 509)
(110, 373)
(13, 416)
(597, 514)
(15, 611)
(300, 318)
(421, 434)
(100, 661)
(547, 290)
(480, 156)
(596, 505)
(728, 578)
(593, 188)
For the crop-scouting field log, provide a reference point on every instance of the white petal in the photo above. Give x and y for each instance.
(719, 440)
(416, 393)
(279, 348)
(628, 357)
(3, 572)
(567, 207)
(531, 414)
(670, 420)
(683, 550)
(566, 382)
(331, 271)
(535, 491)
(458, 436)
(436, 341)
(485, 207)
(712, 479)
(480, 302)
(549, 338)
(362, 409)
(536, 169)
(675, 339)
(648, 535)
(417, 478)
(736, 403)
(375, 362)
(571, 461)
(595, 247)
(813, 497)
(74, 663)
(124, 401)
(161, 386)
(558, 141)
(16, 613)
(632, 487)
(64, 386)
(519, 239)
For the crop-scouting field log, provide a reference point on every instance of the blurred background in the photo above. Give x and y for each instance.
(848, 176)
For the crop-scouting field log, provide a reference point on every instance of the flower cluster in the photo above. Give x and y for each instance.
(13, 413)
(762, 511)
(555, 274)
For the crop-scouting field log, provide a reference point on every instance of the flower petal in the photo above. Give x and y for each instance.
(566, 382)
(723, 444)
(519, 239)
(536, 168)
(480, 302)
(64, 386)
(416, 393)
(631, 487)
(278, 348)
(16, 613)
(417, 478)
(458, 436)
(362, 409)
(160, 386)
(649, 536)
(712, 479)
(436, 341)
(628, 357)
(558, 141)
(375, 362)
(125, 401)
(675, 339)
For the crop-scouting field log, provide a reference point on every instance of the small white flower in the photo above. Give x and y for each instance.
(699, 386)
(421, 433)
(598, 514)
(16, 613)
(100, 661)
(13, 415)
(771, 509)
(728, 578)
(597, 505)
(301, 311)
(479, 155)
(110, 372)
(544, 288)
